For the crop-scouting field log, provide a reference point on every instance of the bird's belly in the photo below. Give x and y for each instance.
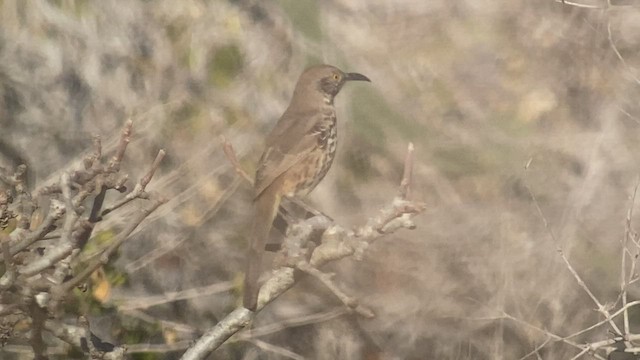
(306, 174)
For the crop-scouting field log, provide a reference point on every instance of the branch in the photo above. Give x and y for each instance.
(602, 309)
(125, 138)
(23, 240)
(138, 191)
(289, 323)
(326, 279)
(77, 335)
(233, 159)
(336, 244)
(125, 304)
(103, 258)
(624, 280)
(553, 336)
(38, 316)
(33, 281)
(67, 241)
(405, 184)
(9, 276)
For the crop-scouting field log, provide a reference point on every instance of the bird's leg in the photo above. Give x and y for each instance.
(281, 223)
(283, 219)
(309, 210)
(286, 217)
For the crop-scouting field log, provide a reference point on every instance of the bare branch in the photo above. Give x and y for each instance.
(233, 159)
(139, 189)
(9, 276)
(38, 317)
(349, 301)
(537, 348)
(56, 210)
(125, 138)
(62, 250)
(154, 166)
(336, 244)
(91, 159)
(584, 286)
(405, 184)
(628, 68)
(158, 348)
(103, 258)
(282, 352)
(552, 335)
(216, 336)
(580, 5)
(76, 335)
(148, 301)
(289, 323)
(624, 280)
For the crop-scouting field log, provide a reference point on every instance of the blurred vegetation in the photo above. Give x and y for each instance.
(482, 88)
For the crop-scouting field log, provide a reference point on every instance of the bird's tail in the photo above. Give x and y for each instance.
(266, 206)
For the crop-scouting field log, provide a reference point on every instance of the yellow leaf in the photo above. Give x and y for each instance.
(101, 288)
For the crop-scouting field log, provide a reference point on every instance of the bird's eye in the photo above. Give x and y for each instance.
(336, 77)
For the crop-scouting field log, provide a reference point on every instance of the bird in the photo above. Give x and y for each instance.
(298, 153)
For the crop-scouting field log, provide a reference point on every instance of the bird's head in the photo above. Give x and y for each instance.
(326, 79)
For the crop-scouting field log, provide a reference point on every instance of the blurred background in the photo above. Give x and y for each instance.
(502, 99)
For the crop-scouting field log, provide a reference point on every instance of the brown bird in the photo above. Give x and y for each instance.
(298, 153)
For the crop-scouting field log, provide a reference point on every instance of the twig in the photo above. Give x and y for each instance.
(67, 240)
(620, 57)
(405, 184)
(83, 323)
(624, 280)
(56, 211)
(536, 349)
(139, 190)
(164, 324)
(9, 276)
(38, 317)
(551, 335)
(5, 213)
(282, 352)
(158, 348)
(289, 323)
(584, 286)
(125, 138)
(26, 206)
(579, 355)
(216, 336)
(604, 321)
(148, 301)
(349, 301)
(580, 5)
(233, 159)
(104, 257)
(154, 167)
(75, 335)
(91, 159)
(97, 204)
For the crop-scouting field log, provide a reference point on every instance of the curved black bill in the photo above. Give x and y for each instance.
(356, 77)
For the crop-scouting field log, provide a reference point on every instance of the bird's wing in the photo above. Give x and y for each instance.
(290, 141)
